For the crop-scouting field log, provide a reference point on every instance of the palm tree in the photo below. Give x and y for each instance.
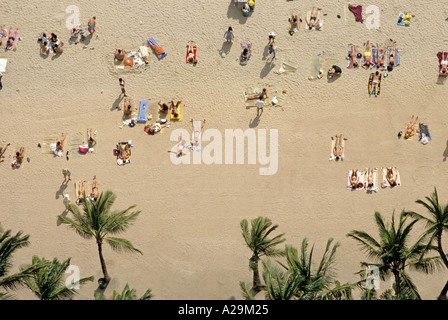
(127, 294)
(393, 255)
(257, 240)
(435, 225)
(98, 222)
(48, 282)
(8, 245)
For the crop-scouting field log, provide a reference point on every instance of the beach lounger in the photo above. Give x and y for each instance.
(370, 87)
(158, 50)
(142, 111)
(195, 49)
(3, 64)
(179, 113)
(375, 180)
(13, 33)
(396, 57)
(333, 143)
(319, 17)
(360, 180)
(384, 182)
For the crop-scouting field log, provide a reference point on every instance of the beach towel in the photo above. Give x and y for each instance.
(385, 183)
(316, 65)
(404, 20)
(374, 54)
(360, 180)
(3, 64)
(415, 130)
(13, 33)
(253, 102)
(370, 86)
(441, 56)
(375, 180)
(423, 129)
(292, 30)
(357, 11)
(289, 65)
(319, 17)
(244, 60)
(396, 57)
(195, 49)
(142, 111)
(75, 141)
(158, 50)
(333, 143)
(349, 17)
(47, 142)
(350, 62)
(15, 164)
(179, 113)
(196, 135)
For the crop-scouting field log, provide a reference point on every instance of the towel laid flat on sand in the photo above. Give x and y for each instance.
(158, 50)
(142, 111)
(360, 180)
(370, 86)
(88, 187)
(3, 64)
(195, 49)
(415, 130)
(349, 17)
(13, 33)
(375, 180)
(179, 113)
(385, 183)
(46, 144)
(316, 66)
(333, 143)
(357, 11)
(396, 57)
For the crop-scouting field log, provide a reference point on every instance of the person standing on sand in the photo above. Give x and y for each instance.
(229, 35)
(271, 37)
(122, 84)
(67, 174)
(91, 25)
(260, 105)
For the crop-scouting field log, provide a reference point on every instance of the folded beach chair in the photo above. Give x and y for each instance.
(179, 111)
(319, 17)
(375, 180)
(396, 57)
(360, 180)
(333, 143)
(13, 33)
(3, 64)
(244, 60)
(370, 87)
(142, 111)
(195, 49)
(442, 56)
(158, 50)
(385, 183)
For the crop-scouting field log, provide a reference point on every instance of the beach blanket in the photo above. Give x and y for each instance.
(396, 57)
(75, 141)
(179, 113)
(76, 38)
(142, 111)
(375, 180)
(442, 56)
(158, 50)
(349, 17)
(195, 49)
(316, 65)
(319, 17)
(360, 180)
(385, 183)
(423, 129)
(46, 144)
(13, 33)
(404, 20)
(357, 11)
(370, 86)
(333, 143)
(374, 55)
(3, 64)
(415, 130)
(88, 187)
(289, 65)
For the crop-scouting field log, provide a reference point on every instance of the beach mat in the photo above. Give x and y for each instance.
(396, 57)
(142, 111)
(350, 62)
(3, 64)
(384, 182)
(349, 17)
(316, 65)
(14, 33)
(370, 86)
(360, 180)
(47, 142)
(412, 136)
(253, 102)
(160, 56)
(180, 108)
(88, 186)
(299, 23)
(375, 181)
(74, 142)
(423, 128)
(401, 21)
(195, 49)
(333, 144)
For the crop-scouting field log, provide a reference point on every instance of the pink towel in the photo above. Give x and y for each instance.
(357, 11)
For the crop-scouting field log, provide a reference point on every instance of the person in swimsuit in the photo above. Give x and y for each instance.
(127, 106)
(124, 151)
(190, 50)
(313, 22)
(91, 25)
(443, 65)
(122, 84)
(271, 37)
(380, 57)
(272, 51)
(411, 128)
(354, 179)
(229, 35)
(370, 178)
(263, 94)
(245, 53)
(391, 177)
(338, 150)
(119, 54)
(45, 49)
(294, 24)
(375, 81)
(354, 56)
(197, 133)
(163, 107)
(392, 57)
(94, 194)
(60, 144)
(180, 146)
(91, 141)
(368, 63)
(3, 34)
(80, 198)
(11, 39)
(2, 152)
(175, 107)
(66, 174)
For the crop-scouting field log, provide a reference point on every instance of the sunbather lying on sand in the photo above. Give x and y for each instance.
(294, 21)
(3, 33)
(94, 194)
(263, 94)
(338, 150)
(2, 152)
(354, 56)
(80, 197)
(163, 107)
(391, 58)
(375, 81)
(11, 38)
(370, 178)
(127, 106)
(197, 133)
(391, 177)
(411, 128)
(190, 50)
(368, 63)
(19, 158)
(354, 179)
(380, 57)
(175, 107)
(119, 54)
(313, 22)
(58, 147)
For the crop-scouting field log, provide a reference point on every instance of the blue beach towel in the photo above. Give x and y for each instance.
(396, 58)
(148, 43)
(142, 111)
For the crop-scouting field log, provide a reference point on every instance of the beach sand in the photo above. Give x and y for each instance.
(189, 227)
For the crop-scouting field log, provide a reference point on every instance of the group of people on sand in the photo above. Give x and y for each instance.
(11, 37)
(391, 177)
(18, 157)
(380, 60)
(50, 44)
(81, 191)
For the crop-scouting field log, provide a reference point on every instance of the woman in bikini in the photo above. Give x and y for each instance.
(11, 39)
(391, 177)
(313, 22)
(190, 50)
(354, 179)
(411, 128)
(444, 64)
(91, 141)
(392, 57)
(370, 178)
(354, 57)
(2, 152)
(94, 194)
(175, 108)
(368, 63)
(338, 149)
(380, 57)
(80, 198)
(375, 81)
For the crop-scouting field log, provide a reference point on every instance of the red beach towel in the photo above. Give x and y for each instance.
(357, 11)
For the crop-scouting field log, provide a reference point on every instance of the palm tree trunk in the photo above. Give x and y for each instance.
(103, 263)
(256, 279)
(444, 292)
(397, 287)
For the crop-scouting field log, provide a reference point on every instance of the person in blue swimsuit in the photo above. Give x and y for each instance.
(2, 152)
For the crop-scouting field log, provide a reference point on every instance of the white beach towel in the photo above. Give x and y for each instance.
(360, 180)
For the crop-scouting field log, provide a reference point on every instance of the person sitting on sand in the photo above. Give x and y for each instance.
(375, 81)
(163, 107)
(45, 49)
(354, 179)
(57, 48)
(94, 194)
(58, 147)
(124, 152)
(391, 177)
(91, 25)
(19, 158)
(174, 108)
(80, 198)
(263, 94)
(119, 54)
(411, 128)
(314, 21)
(2, 152)
(354, 56)
(334, 71)
(245, 53)
(190, 50)
(368, 63)
(338, 150)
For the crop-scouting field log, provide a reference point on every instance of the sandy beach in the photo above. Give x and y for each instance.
(189, 227)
